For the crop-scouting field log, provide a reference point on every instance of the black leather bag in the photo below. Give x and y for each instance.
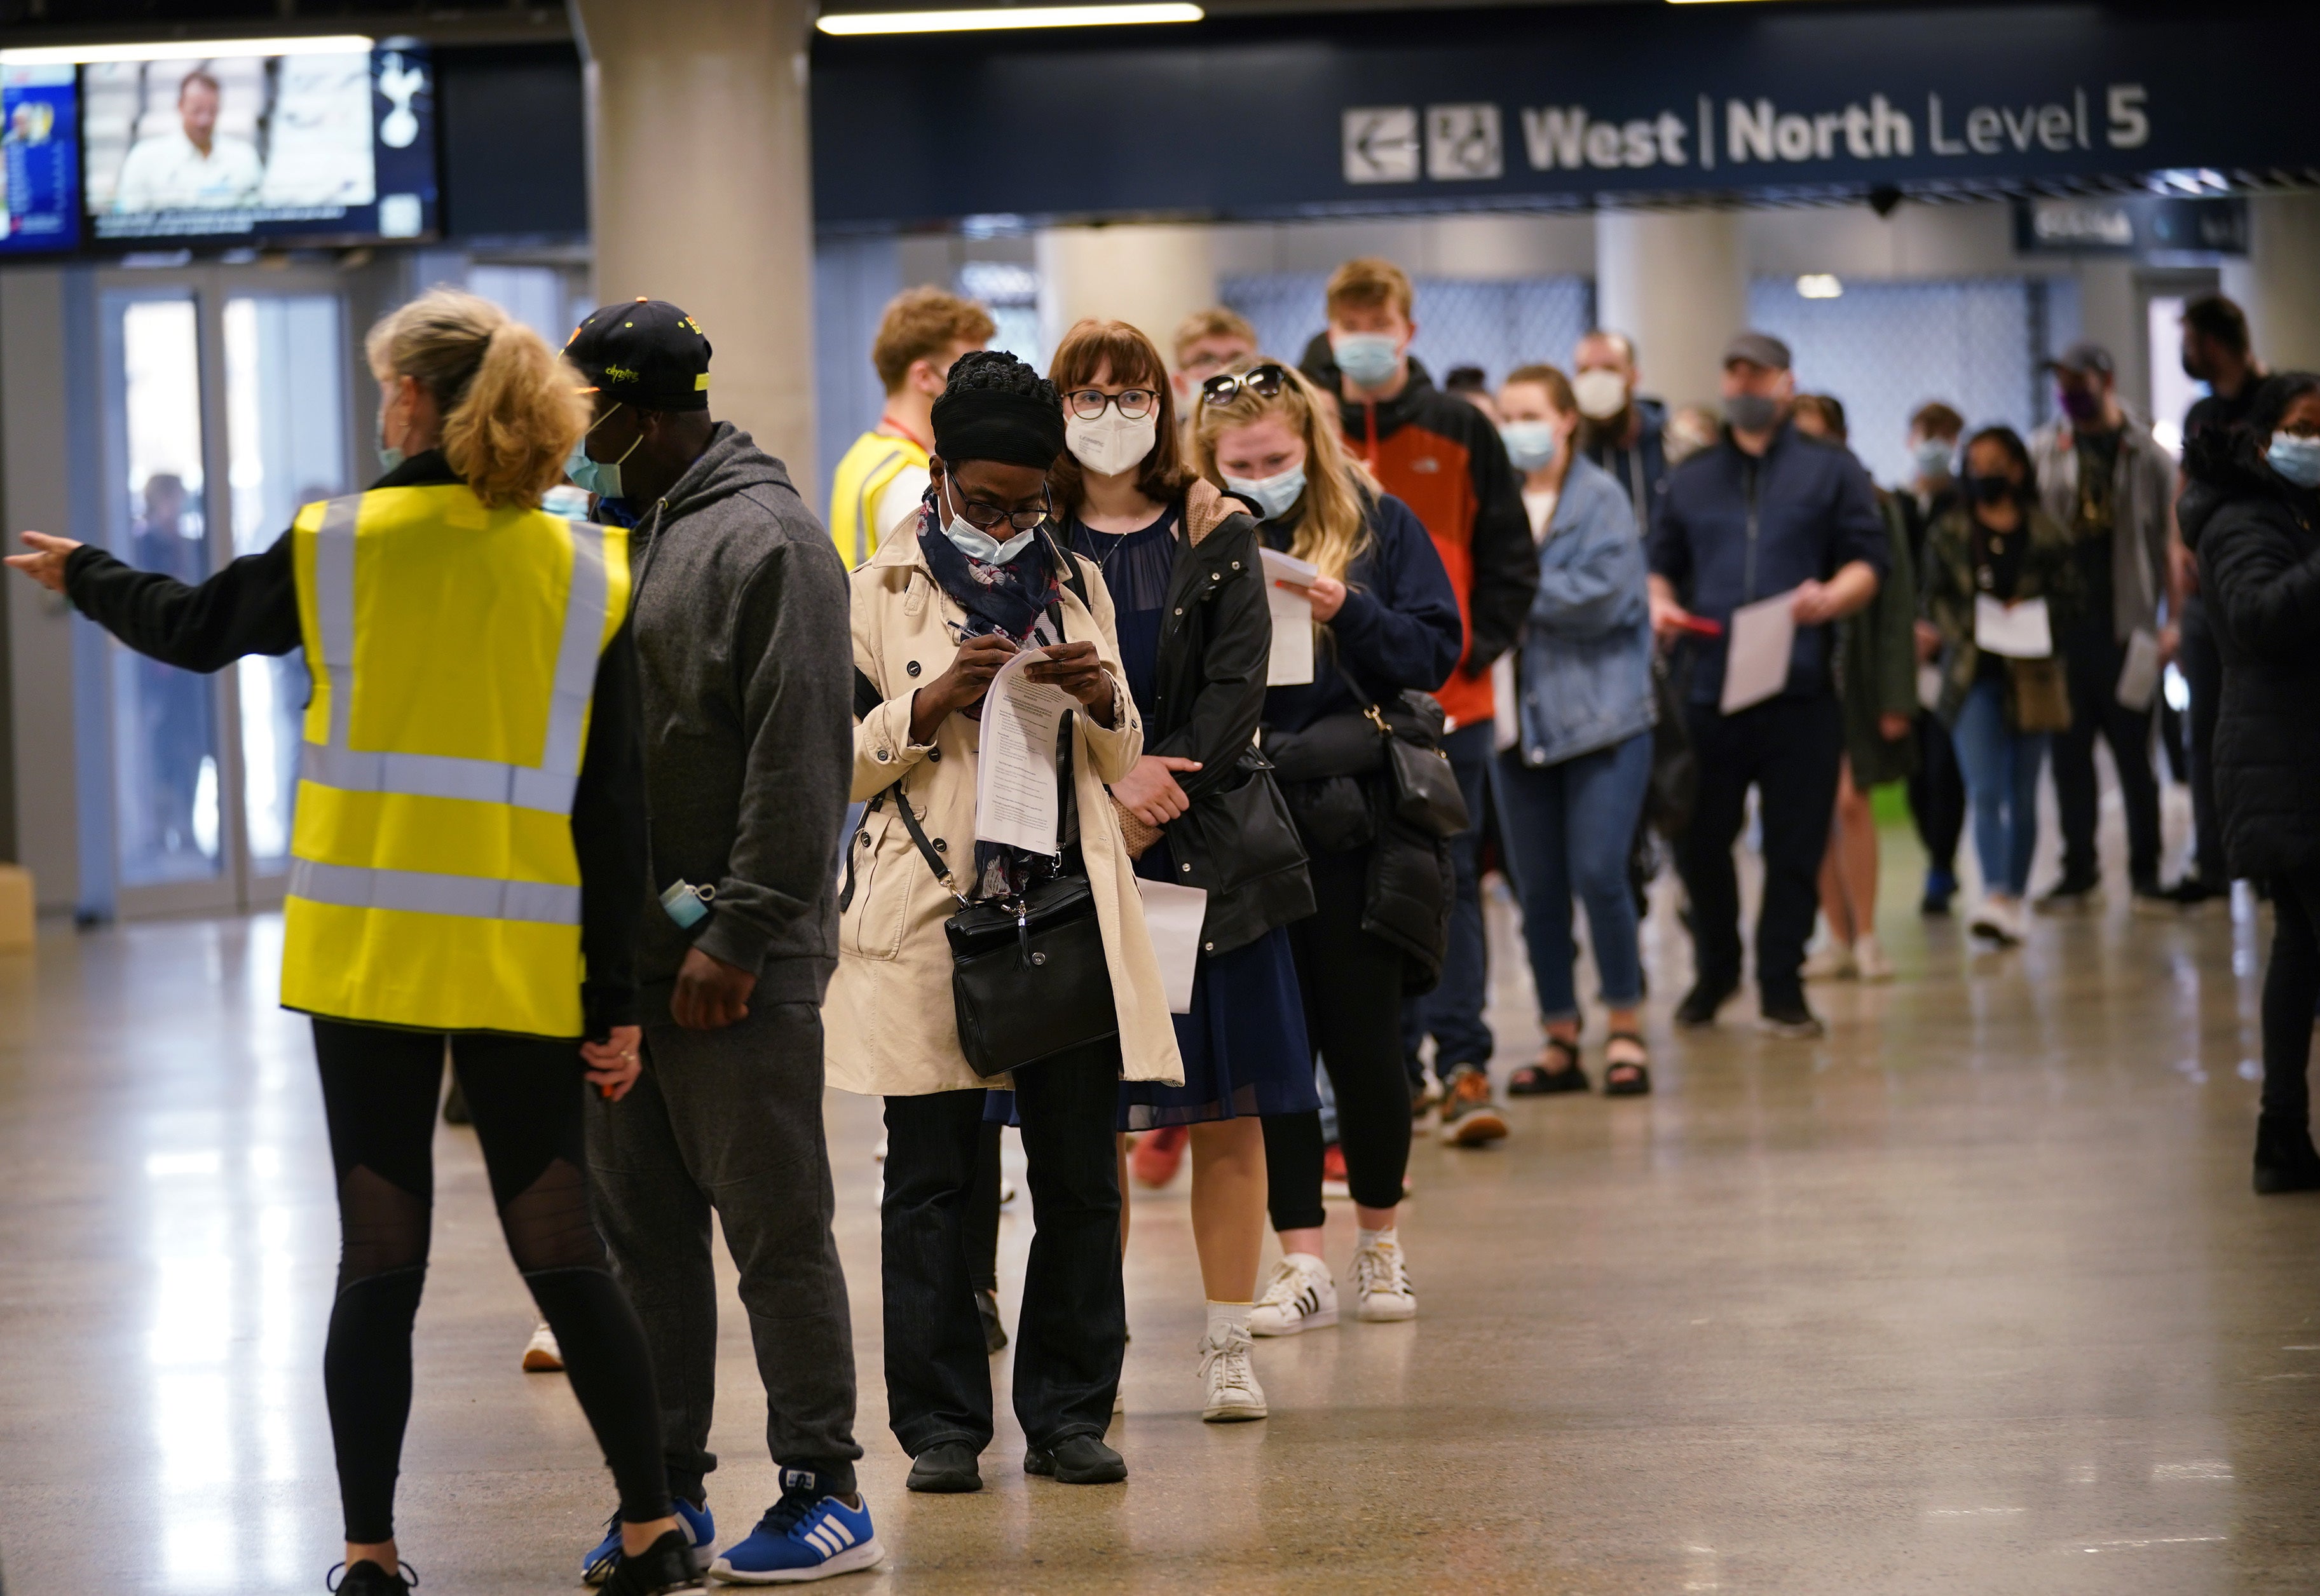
(1421, 789)
(1242, 832)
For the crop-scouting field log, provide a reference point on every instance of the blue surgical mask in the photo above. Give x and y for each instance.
(1367, 358)
(973, 541)
(389, 457)
(1274, 494)
(600, 477)
(1531, 445)
(1931, 456)
(2295, 458)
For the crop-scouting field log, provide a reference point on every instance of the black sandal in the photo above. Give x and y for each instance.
(1637, 1072)
(1543, 1079)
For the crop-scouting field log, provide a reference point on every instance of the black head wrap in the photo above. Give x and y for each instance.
(997, 408)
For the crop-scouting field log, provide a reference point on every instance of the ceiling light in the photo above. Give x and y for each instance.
(1026, 16)
(1819, 285)
(186, 50)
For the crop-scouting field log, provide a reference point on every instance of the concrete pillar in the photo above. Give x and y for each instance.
(1150, 276)
(1674, 282)
(2276, 287)
(701, 193)
(2111, 314)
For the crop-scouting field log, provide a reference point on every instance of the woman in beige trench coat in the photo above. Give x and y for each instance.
(935, 615)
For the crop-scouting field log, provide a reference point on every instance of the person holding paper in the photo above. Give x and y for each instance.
(937, 618)
(2103, 477)
(1181, 562)
(1998, 549)
(1389, 621)
(1765, 512)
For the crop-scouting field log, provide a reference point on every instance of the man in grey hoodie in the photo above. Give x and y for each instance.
(743, 652)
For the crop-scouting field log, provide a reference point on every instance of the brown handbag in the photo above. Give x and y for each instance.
(2041, 694)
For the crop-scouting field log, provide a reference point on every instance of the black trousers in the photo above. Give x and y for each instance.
(2092, 661)
(1937, 795)
(379, 1092)
(2291, 986)
(1352, 983)
(1789, 750)
(2202, 664)
(1073, 1330)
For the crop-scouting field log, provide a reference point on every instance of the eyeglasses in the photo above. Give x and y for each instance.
(983, 517)
(1264, 381)
(1135, 403)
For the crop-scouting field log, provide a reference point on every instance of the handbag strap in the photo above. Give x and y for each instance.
(866, 697)
(1370, 710)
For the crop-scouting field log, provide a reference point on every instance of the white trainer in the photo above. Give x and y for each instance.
(1996, 919)
(541, 1355)
(1381, 1289)
(1234, 1393)
(1871, 961)
(1831, 961)
(1301, 1296)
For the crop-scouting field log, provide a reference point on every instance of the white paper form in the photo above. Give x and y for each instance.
(1762, 636)
(1172, 917)
(2138, 674)
(1292, 664)
(2019, 630)
(1015, 800)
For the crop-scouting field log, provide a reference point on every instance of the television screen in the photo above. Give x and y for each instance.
(40, 160)
(316, 146)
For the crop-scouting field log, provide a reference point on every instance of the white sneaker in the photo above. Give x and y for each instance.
(1234, 1393)
(1831, 961)
(541, 1355)
(1870, 960)
(1998, 920)
(1301, 1296)
(1382, 1284)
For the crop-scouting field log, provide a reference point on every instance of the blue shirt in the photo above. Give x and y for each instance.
(1733, 528)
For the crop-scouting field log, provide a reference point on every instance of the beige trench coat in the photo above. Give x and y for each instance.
(891, 1026)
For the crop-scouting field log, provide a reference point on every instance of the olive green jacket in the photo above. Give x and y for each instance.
(1877, 666)
(2037, 697)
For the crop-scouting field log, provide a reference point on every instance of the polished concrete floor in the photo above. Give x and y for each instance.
(1972, 1296)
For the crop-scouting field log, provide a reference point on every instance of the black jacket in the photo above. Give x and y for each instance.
(251, 607)
(2256, 537)
(1214, 641)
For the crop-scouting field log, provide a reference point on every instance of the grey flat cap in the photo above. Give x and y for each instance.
(1757, 349)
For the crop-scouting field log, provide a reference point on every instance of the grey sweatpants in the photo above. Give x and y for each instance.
(731, 1119)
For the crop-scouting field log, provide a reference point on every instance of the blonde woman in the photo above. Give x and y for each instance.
(1388, 621)
(468, 860)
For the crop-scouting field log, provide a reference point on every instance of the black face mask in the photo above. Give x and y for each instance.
(1988, 490)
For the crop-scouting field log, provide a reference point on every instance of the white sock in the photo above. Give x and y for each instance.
(1313, 1258)
(1389, 1237)
(1224, 1317)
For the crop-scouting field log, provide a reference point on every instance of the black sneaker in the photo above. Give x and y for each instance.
(986, 1308)
(2072, 897)
(2197, 892)
(665, 1569)
(2150, 898)
(368, 1578)
(1789, 1017)
(1697, 1010)
(946, 1469)
(1079, 1460)
(2285, 1159)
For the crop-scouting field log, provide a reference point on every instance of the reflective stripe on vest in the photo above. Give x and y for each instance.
(869, 464)
(420, 891)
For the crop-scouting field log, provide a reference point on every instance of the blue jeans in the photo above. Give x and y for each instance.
(1451, 1013)
(2001, 787)
(1565, 828)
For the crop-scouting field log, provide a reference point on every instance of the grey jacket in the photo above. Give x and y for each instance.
(744, 659)
(2144, 491)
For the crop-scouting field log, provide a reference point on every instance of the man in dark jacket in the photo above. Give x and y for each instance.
(1765, 512)
(1619, 429)
(1442, 456)
(740, 615)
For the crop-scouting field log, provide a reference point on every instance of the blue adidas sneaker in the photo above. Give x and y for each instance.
(700, 1533)
(805, 1536)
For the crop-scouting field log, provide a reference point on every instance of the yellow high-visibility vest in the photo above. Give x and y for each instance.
(433, 881)
(863, 473)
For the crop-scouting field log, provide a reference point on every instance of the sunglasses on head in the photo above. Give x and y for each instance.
(1264, 381)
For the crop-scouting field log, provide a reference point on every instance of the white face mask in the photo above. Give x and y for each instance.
(1601, 394)
(972, 539)
(1111, 443)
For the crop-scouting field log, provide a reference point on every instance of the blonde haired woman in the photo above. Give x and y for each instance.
(466, 864)
(1389, 622)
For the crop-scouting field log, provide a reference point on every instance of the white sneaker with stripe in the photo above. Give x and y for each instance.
(1299, 1296)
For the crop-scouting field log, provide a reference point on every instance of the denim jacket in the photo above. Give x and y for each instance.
(1586, 680)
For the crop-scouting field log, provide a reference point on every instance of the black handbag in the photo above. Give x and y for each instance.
(1421, 789)
(1243, 832)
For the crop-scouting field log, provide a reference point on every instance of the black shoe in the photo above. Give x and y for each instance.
(946, 1469)
(1699, 1007)
(2285, 1160)
(994, 1334)
(2150, 898)
(2072, 897)
(1080, 1460)
(368, 1578)
(1789, 1017)
(664, 1569)
(2197, 892)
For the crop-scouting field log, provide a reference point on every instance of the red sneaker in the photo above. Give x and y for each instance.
(1158, 1155)
(1333, 1171)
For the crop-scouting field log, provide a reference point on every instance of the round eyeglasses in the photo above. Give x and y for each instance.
(1264, 381)
(1135, 403)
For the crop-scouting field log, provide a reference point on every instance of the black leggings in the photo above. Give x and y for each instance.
(2291, 985)
(1352, 983)
(379, 1091)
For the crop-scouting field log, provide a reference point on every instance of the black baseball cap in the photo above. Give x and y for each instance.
(647, 353)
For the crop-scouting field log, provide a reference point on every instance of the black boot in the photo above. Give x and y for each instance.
(2285, 1160)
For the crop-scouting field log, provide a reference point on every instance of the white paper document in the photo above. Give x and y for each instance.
(1929, 687)
(1506, 701)
(1173, 916)
(2138, 674)
(1762, 636)
(2018, 631)
(1292, 664)
(1015, 799)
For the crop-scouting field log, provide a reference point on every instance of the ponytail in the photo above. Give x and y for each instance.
(511, 408)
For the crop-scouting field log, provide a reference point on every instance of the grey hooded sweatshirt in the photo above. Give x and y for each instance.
(745, 658)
